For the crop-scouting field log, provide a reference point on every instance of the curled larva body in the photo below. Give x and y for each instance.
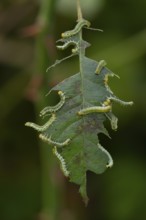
(95, 109)
(110, 162)
(62, 162)
(77, 29)
(101, 64)
(55, 108)
(106, 78)
(120, 101)
(67, 44)
(52, 142)
(113, 120)
(44, 127)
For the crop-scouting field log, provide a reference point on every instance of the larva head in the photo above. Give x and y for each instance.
(103, 63)
(66, 34)
(62, 96)
(60, 93)
(107, 102)
(88, 23)
(74, 50)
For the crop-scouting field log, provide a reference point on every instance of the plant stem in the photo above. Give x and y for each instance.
(49, 189)
(81, 56)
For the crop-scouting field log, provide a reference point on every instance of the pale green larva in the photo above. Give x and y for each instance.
(110, 162)
(113, 120)
(62, 162)
(77, 29)
(95, 109)
(67, 44)
(115, 99)
(101, 64)
(44, 127)
(55, 108)
(52, 142)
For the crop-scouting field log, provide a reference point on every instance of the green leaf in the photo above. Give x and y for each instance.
(74, 135)
(85, 89)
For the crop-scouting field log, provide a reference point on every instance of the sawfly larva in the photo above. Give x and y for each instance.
(94, 109)
(110, 162)
(62, 162)
(56, 107)
(44, 127)
(115, 99)
(67, 44)
(101, 64)
(52, 142)
(77, 29)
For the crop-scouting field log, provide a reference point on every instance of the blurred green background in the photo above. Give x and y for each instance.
(31, 184)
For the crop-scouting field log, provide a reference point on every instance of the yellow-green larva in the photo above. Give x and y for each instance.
(44, 127)
(62, 162)
(101, 64)
(52, 142)
(110, 162)
(55, 108)
(77, 29)
(95, 109)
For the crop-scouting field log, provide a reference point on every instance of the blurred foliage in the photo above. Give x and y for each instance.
(120, 192)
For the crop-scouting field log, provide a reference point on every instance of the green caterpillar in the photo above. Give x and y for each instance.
(110, 163)
(77, 29)
(56, 107)
(51, 142)
(67, 44)
(101, 64)
(41, 127)
(113, 120)
(120, 101)
(94, 109)
(62, 162)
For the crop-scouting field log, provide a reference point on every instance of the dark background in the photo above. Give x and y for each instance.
(119, 193)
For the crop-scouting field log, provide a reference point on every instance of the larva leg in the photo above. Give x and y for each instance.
(120, 101)
(44, 127)
(110, 163)
(54, 143)
(101, 64)
(62, 162)
(95, 109)
(55, 108)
